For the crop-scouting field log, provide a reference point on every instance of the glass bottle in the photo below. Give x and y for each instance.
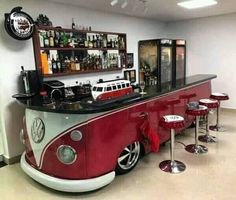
(54, 66)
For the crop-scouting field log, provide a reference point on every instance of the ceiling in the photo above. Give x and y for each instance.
(162, 10)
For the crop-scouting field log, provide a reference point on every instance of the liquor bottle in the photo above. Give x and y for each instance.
(109, 44)
(61, 40)
(116, 43)
(104, 41)
(72, 64)
(67, 64)
(90, 43)
(122, 43)
(118, 61)
(63, 65)
(81, 42)
(85, 42)
(65, 39)
(58, 62)
(73, 24)
(51, 38)
(56, 39)
(44, 61)
(46, 39)
(98, 41)
(77, 64)
(41, 38)
(49, 65)
(54, 65)
(94, 42)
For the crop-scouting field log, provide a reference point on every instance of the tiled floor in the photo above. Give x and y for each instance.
(208, 177)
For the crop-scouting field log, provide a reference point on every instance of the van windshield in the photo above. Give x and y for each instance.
(99, 89)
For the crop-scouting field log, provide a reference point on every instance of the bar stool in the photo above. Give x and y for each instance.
(210, 104)
(219, 97)
(197, 112)
(172, 122)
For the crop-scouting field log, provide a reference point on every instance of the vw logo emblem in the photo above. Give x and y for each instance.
(37, 130)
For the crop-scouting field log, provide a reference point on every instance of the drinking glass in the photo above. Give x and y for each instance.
(142, 86)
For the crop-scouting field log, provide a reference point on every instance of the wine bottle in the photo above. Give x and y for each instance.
(51, 38)
(46, 39)
(58, 63)
(54, 65)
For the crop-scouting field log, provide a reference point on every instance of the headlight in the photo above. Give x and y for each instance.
(66, 154)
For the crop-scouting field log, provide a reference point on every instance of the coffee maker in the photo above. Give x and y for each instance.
(31, 81)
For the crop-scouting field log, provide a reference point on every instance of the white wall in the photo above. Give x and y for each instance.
(16, 53)
(211, 48)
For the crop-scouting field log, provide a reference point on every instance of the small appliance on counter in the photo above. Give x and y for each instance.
(55, 89)
(31, 81)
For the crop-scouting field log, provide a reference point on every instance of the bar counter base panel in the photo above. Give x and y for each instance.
(217, 128)
(207, 138)
(197, 149)
(173, 167)
(66, 185)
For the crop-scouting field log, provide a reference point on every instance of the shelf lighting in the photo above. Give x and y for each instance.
(134, 5)
(197, 3)
(124, 4)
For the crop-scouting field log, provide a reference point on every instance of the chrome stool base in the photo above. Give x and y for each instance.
(207, 138)
(197, 149)
(173, 167)
(217, 128)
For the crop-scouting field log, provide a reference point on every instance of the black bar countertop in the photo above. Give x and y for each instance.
(88, 106)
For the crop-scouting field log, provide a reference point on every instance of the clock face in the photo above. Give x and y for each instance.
(19, 25)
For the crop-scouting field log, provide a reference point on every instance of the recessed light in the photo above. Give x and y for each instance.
(197, 3)
(114, 2)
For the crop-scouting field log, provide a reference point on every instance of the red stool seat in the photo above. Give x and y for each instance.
(210, 103)
(219, 96)
(200, 111)
(172, 121)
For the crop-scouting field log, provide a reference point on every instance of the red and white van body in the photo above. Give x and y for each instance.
(104, 136)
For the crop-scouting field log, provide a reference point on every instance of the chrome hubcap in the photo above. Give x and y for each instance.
(129, 156)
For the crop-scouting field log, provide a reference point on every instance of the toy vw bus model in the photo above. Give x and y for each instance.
(111, 89)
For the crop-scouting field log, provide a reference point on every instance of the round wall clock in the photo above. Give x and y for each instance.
(18, 24)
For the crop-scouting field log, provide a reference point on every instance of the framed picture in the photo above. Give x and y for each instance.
(130, 60)
(130, 75)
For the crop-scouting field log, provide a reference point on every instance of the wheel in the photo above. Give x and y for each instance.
(128, 158)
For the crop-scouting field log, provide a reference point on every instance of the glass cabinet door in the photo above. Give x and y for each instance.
(148, 62)
(166, 64)
(180, 63)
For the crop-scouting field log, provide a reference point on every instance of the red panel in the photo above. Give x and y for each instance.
(51, 165)
(105, 137)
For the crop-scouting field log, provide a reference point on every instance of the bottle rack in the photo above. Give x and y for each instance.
(63, 52)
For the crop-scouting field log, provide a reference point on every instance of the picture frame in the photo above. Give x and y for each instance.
(130, 75)
(130, 60)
